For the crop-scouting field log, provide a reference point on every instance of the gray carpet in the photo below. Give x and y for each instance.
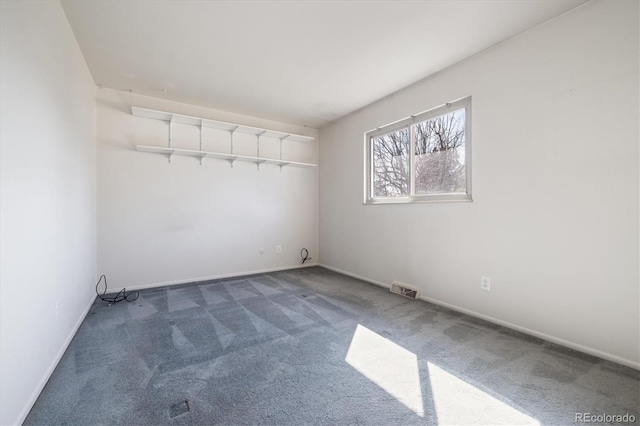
(311, 346)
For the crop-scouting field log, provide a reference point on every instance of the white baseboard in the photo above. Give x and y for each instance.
(52, 366)
(214, 277)
(349, 274)
(544, 336)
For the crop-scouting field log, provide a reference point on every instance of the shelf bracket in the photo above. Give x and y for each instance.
(232, 131)
(201, 130)
(281, 139)
(258, 148)
(170, 129)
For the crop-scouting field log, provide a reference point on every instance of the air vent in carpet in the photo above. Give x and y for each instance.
(403, 290)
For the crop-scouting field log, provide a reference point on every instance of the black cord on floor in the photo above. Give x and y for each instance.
(122, 294)
(304, 255)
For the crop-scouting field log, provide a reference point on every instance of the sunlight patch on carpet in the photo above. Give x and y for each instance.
(459, 402)
(388, 365)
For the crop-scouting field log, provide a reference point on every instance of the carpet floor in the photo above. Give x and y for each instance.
(311, 346)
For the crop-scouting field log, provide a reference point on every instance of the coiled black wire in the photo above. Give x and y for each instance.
(122, 294)
(304, 255)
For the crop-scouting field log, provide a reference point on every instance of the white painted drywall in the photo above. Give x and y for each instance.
(161, 222)
(554, 221)
(48, 197)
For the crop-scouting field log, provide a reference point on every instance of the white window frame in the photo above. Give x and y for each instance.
(409, 122)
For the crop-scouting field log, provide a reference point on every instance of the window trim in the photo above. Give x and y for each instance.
(409, 122)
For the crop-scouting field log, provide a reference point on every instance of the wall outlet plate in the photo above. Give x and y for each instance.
(485, 283)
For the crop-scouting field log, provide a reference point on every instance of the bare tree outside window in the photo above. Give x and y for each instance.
(391, 164)
(439, 154)
(420, 158)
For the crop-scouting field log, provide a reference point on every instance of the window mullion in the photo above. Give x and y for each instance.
(467, 146)
(412, 160)
(371, 166)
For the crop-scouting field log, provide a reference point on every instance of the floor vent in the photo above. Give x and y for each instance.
(178, 409)
(403, 290)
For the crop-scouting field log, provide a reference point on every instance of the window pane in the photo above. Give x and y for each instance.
(391, 164)
(440, 155)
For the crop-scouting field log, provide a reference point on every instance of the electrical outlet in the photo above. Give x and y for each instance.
(279, 249)
(261, 251)
(57, 309)
(485, 283)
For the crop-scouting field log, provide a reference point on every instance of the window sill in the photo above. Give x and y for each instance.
(439, 198)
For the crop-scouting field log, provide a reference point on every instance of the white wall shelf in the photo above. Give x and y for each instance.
(232, 128)
(220, 155)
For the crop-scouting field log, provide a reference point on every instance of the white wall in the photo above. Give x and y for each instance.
(554, 221)
(48, 196)
(161, 222)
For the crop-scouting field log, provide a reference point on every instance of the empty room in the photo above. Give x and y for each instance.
(319, 212)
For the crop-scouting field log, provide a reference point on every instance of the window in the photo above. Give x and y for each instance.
(425, 157)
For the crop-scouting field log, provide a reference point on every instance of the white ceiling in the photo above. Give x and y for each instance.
(301, 62)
